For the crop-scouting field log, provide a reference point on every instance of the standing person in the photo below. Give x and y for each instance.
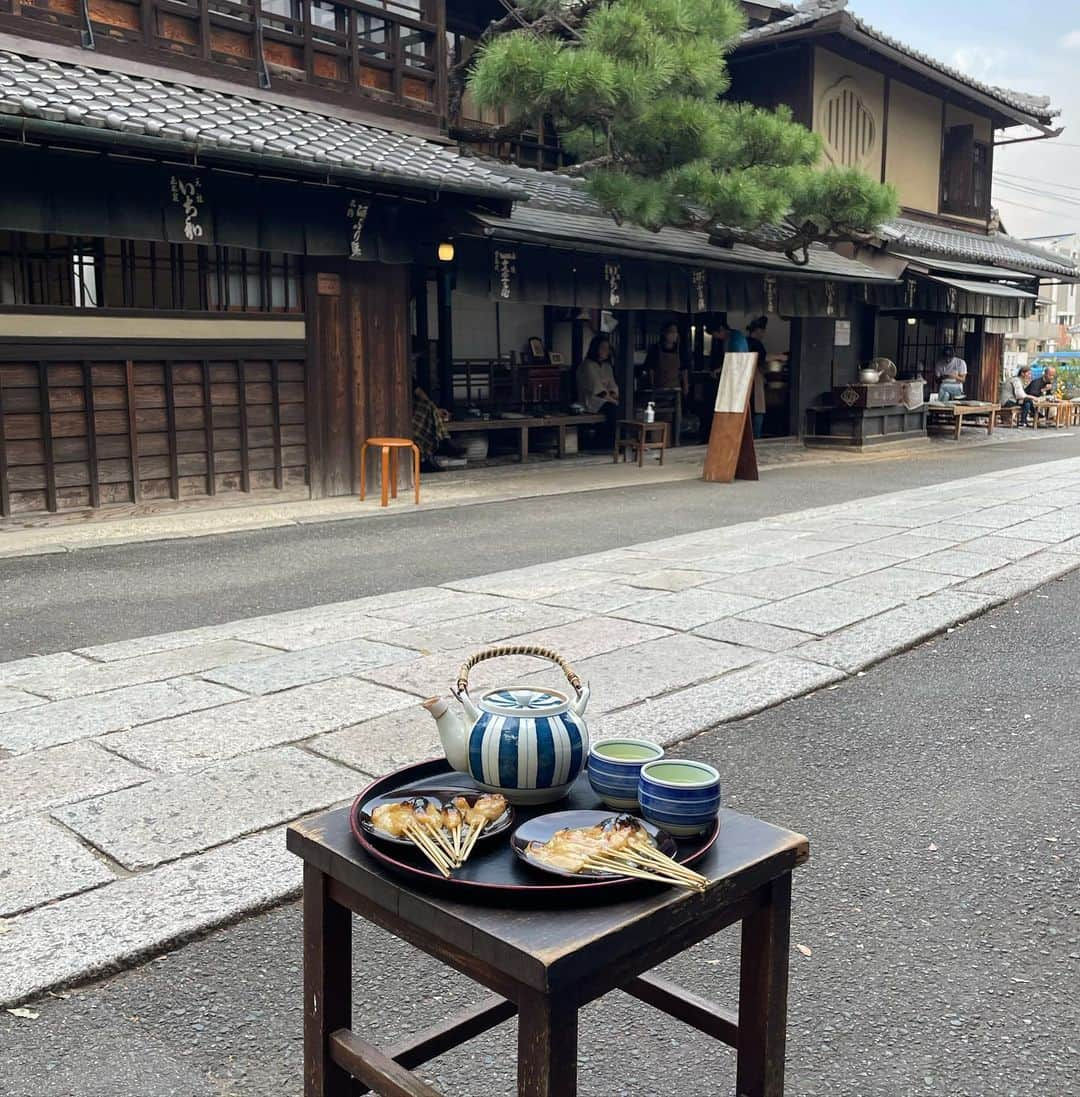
(754, 332)
(666, 366)
(950, 373)
(725, 339)
(1018, 386)
(597, 388)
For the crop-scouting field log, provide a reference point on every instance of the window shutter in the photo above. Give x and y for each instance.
(958, 163)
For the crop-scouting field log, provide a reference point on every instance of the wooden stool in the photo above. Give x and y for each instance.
(390, 447)
(635, 434)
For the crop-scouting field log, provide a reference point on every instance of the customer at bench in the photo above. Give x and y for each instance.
(1017, 387)
(597, 388)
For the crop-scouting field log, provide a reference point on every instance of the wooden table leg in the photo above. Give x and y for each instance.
(363, 471)
(663, 443)
(562, 440)
(547, 1048)
(991, 422)
(959, 419)
(394, 472)
(327, 985)
(385, 475)
(416, 470)
(524, 445)
(763, 985)
(642, 432)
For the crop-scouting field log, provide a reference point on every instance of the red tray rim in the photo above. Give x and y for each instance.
(410, 869)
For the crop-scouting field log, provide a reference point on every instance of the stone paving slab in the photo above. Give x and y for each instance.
(481, 629)
(29, 842)
(753, 634)
(591, 636)
(897, 582)
(435, 674)
(200, 738)
(869, 641)
(961, 563)
(12, 699)
(601, 597)
(747, 690)
(1022, 576)
(822, 611)
(171, 817)
(384, 744)
(772, 583)
(96, 932)
(688, 609)
(85, 717)
(669, 579)
(45, 779)
(848, 563)
(100, 677)
(13, 674)
(633, 674)
(307, 666)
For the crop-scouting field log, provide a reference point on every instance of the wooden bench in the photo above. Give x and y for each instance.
(523, 426)
(949, 412)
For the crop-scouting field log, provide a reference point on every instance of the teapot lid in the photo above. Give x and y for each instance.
(524, 701)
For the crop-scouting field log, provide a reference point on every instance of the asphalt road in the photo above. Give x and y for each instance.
(55, 603)
(941, 908)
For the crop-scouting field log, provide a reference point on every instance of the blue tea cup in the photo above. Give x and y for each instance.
(679, 795)
(614, 766)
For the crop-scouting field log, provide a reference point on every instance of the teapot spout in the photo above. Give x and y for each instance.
(578, 706)
(451, 733)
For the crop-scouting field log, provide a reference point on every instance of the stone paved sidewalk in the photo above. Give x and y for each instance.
(144, 784)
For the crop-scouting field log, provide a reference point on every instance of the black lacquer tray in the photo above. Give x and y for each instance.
(493, 873)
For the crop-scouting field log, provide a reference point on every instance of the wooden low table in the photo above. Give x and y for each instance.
(639, 436)
(545, 964)
(523, 426)
(949, 412)
(1058, 412)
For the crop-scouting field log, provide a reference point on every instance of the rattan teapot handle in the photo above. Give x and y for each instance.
(517, 649)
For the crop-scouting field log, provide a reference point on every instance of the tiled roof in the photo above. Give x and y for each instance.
(996, 249)
(87, 99)
(810, 11)
(559, 210)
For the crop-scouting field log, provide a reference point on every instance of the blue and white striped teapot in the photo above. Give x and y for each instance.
(527, 742)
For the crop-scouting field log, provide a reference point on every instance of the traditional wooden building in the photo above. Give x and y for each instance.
(231, 231)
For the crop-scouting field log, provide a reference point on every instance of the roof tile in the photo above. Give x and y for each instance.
(83, 97)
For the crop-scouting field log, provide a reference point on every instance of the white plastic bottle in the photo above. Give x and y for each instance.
(650, 412)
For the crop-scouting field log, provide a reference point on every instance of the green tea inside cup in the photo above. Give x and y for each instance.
(682, 773)
(626, 751)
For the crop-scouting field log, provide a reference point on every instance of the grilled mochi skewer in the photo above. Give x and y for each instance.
(486, 810)
(624, 847)
(452, 822)
(400, 821)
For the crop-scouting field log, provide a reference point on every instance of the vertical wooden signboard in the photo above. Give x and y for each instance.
(731, 441)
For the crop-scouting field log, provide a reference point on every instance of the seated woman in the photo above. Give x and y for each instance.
(1018, 386)
(597, 388)
(429, 431)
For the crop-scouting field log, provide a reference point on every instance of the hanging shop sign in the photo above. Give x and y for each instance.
(842, 334)
(505, 272)
(356, 213)
(188, 195)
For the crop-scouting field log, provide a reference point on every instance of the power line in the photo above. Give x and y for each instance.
(1027, 180)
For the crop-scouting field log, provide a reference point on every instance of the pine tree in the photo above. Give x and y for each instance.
(636, 90)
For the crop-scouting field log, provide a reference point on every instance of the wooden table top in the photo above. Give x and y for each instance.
(955, 407)
(544, 947)
(526, 421)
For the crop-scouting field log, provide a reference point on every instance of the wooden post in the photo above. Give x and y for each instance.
(327, 985)
(547, 1047)
(5, 501)
(763, 980)
(626, 363)
(208, 427)
(91, 435)
(47, 435)
(446, 339)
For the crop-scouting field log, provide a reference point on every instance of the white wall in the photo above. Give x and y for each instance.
(475, 326)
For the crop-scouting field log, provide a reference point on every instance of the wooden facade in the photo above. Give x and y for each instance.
(87, 427)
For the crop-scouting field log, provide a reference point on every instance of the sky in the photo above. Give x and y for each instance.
(1033, 48)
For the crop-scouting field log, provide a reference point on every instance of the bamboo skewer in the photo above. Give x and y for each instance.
(629, 867)
(441, 840)
(654, 856)
(421, 840)
(470, 841)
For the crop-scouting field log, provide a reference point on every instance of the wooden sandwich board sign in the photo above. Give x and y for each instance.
(731, 441)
